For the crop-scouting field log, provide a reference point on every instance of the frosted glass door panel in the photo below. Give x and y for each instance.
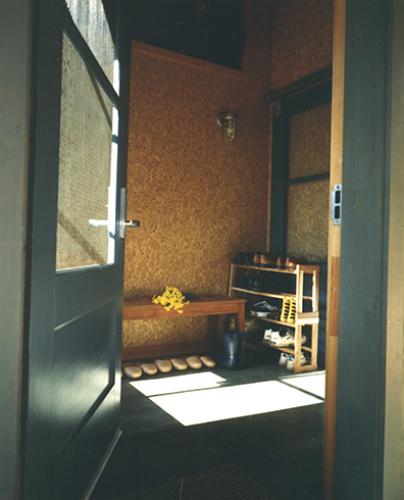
(309, 142)
(90, 19)
(307, 226)
(87, 168)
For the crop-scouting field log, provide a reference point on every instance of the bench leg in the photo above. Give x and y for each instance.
(240, 318)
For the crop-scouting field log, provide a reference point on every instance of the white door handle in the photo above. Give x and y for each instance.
(124, 223)
(131, 223)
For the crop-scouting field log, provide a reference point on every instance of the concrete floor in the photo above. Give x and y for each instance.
(275, 455)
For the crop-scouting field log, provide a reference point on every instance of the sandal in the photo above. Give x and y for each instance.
(194, 362)
(208, 362)
(149, 368)
(132, 371)
(164, 365)
(179, 364)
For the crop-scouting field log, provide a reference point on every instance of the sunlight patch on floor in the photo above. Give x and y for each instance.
(310, 382)
(211, 405)
(178, 383)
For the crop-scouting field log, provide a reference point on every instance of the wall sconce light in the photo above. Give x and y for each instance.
(227, 120)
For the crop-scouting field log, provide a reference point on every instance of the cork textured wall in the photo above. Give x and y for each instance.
(301, 39)
(199, 197)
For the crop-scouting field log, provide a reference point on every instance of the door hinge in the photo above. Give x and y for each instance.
(336, 204)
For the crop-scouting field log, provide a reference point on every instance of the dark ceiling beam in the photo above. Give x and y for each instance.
(304, 83)
(211, 30)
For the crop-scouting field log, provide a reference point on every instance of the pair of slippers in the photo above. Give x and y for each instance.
(135, 371)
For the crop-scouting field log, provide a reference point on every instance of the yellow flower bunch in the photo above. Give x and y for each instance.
(172, 299)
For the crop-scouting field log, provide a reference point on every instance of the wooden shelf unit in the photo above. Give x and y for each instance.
(303, 317)
(266, 294)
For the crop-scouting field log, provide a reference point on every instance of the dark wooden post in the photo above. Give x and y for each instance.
(15, 77)
(369, 385)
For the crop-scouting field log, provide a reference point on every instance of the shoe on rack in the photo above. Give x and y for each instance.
(257, 259)
(269, 335)
(283, 359)
(285, 309)
(263, 309)
(290, 365)
(290, 263)
(260, 309)
(284, 338)
(292, 310)
(274, 312)
(277, 336)
(267, 260)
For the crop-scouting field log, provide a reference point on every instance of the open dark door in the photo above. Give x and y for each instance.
(76, 262)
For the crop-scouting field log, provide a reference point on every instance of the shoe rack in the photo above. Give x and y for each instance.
(299, 308)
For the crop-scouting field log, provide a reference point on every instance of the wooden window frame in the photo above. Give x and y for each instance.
(284, 107)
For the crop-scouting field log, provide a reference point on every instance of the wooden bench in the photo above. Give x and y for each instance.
(142, 308)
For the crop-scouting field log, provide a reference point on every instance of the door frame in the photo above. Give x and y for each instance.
(16, 34)
(304, 97)
(334, 249)
(15, 97)
(363, 415)
(360, 391)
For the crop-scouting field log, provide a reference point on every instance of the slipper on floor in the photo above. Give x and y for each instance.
(179, 364)
(194, 362)
(208, 361)
(132, 371)
(149, 368)
(164, 365)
